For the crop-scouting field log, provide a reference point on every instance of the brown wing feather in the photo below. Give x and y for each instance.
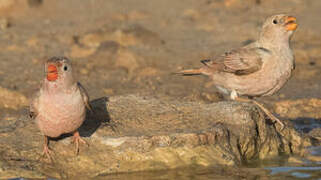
(85, 96)
(240, 62)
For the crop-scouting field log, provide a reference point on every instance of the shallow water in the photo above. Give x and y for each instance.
(269, 169)
(275, 172)
(297, 172)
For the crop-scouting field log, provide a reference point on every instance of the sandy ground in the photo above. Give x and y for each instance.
(121, 47)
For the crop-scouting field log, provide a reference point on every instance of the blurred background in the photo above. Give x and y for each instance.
(124, 46)
(132, 47)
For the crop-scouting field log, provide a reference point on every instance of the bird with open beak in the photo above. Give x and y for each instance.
(59, 107)
(258, 69)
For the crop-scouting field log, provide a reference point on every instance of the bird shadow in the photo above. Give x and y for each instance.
(97, 117)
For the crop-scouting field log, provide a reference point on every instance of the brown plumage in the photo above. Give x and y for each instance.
(258, 69)
(59, 107)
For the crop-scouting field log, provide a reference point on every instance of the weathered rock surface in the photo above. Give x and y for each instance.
(136, 133)
(309, 108)
(305, 114)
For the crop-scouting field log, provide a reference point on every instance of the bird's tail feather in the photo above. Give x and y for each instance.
(190, 72)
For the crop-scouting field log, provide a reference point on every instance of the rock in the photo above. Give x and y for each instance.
(80, 52)
(308, 108)
(4, 23)
(314, 158)
(16, 48)
(108, 91)
(131, 16)
(316, 133)
(35, 3)
(191, 14)
(296, 160)
(33, 42)
(127, 36)
(92, 39)
(211, 97)
(148, 71)
(138, 133)
(314, 154)
(4, 4)
(127, 59)
(84, 71)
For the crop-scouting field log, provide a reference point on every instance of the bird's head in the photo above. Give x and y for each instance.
(58, 69)
(278, 28)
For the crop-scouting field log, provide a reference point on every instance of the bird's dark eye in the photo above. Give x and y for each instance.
(275, 21)
(65, 68)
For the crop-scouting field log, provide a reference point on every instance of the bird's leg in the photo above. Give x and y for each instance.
(235, 97)
(46, 150)
(77, 139)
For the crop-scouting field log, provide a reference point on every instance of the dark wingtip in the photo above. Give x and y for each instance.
(205, 61)
(182, 74)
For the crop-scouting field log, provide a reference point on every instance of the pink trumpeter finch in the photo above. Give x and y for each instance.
(59, 107)
(258, 69)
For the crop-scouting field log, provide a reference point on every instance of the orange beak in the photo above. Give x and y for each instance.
(52, 73)
(290, 23)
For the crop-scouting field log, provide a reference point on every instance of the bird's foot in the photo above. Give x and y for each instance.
(270, 115)
(76, 140)
(266, 111)
(47, 152)
(275, 119)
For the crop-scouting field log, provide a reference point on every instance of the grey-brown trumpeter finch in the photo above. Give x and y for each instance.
(258, 69)
(59, 107)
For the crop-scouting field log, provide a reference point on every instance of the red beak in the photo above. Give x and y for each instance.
(52, 73)
(290, 23)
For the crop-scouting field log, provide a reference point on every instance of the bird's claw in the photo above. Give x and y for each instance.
(76, 140)
(47, 152)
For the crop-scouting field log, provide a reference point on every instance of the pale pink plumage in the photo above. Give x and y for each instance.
(59, 107)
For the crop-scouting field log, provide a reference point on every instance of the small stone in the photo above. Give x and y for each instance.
(84, 71)
(125, 39)
(32, 42)
(35, 3)
(4, 24)
(313, 158)
(295, 160)
(4, 4)
(137, 15)
(127, 59)
(80, 52)
(316, 133)
(92, 40)
(208, 27)
(15, 48)
(211, 97)
(149, 71)
(108, 91)
(192, 14)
